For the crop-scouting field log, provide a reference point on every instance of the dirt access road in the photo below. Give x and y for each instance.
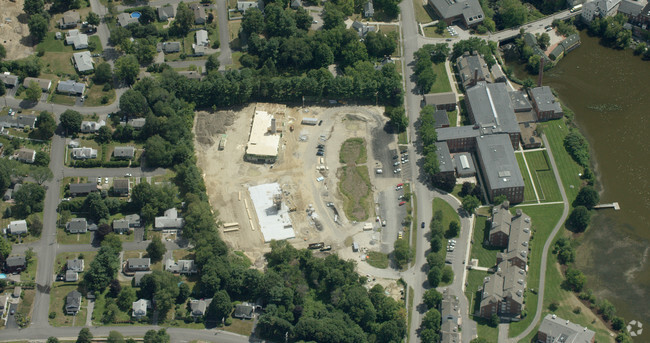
(227, 176)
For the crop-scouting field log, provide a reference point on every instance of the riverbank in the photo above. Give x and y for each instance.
(606, 89)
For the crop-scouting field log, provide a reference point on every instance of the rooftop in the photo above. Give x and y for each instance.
(444, 158)
(565, 331)
(500, 165)
(262, 142)
(441, 118)
(491, 107)
(545, 99)
(470, 64)
(439, 98)
(275, 224)
(470, 9)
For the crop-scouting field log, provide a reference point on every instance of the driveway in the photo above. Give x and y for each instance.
(11, 319)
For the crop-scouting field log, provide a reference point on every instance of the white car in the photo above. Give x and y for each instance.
(106, 180)
(395, 164)
(128, 175)
(405, 161)
(320, 178)
(99, 180)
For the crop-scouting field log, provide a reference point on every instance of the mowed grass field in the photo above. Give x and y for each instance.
(487, 256)
(543, 218)
(569, 170)
(442, 79)
(529, 192)
(543, 176)
(449, 214)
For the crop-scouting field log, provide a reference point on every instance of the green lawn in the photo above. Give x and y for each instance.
(95, 95)
(51, 44)
(487, 256)
(452, 115)
(543, 218)
(25, 305)
(402, 138)
(377, 259)
(62, 99)
(543, 176)
(29, 275)
(431, 32)
(569, 170)
(529, 192)
(58, 63)
(62, 258)
(423, 13)
(58, 293)
(442, 80)
(236, 55)
(63, 237)
(98, 44)
(448, 212)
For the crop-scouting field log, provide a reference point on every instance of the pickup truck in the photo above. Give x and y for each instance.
(316, 245)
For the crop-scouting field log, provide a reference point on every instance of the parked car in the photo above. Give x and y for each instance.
(402, 203)
(326, 248)
(320, 178)
(320, 153)
(105, 180)
(396, 164)
(383, 222)
(405, 161)
(422, 225)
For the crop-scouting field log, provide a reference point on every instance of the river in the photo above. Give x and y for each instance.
(609, 92)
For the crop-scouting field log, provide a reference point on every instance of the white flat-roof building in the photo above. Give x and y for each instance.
(275, 223)
(264, 139)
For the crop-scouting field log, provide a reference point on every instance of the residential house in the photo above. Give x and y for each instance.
(125, 19)
(8, 194)
(137, 123)
(138, 264)
(77, 225)
(25, 155)
(368, 10)
(75, 265)
(169, 47)
(137, 277)
(18, 121)
(17, 227)
(202, 38)
(450, 317)
(71, 276)
(363, 29)
(555, 329)
(133, 219)
(140, 308)
(69, 20)
(199, 13)
(169, 221)
(76, 39)
(472, 69)
(15, 264)
(465, 12)
(71, 87)
(166, 12)
(17, 292)
(9, 80)
(45, 84)
(531, 41)
(503, 293)
(244, 5)
(198, 307)
(244, 311)
(124, 152)
(73, 303)
(295, 4)
(180, 267)
(77, 189)
(91, 126)
(84, 153)
(599, 8)
(442, 101)
(121, 187)
(199, 50)
(545, 104)
(121, 226)
(83, 61)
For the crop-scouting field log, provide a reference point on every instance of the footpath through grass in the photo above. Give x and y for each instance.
(529, 193)
(486, 255)
(569, 170)
(543, 176)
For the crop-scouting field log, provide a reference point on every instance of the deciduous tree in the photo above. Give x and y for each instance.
(470, 203)
(71, 121)
(156, 249)
(127, 69)
(37, 27)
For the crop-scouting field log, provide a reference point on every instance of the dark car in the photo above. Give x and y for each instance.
(320, 123)
(11, 313)
(320, 153)
(395, 157)
(422, 225)
(320, 146)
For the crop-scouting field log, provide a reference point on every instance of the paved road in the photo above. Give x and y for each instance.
(225, 57)
(111, 172)
(547, 246)
(70, 334)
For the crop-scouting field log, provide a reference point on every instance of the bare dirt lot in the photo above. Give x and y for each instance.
(14, 30)
(227, 176)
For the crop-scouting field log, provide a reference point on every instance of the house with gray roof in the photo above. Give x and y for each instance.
(25, 155)
(545, 104)
(9, 80)
(77, 189)
(244, 5)
(76, 265)
(497, 73)
(472, 69)
(295, 4)
(499, 165)
(77, 39)
(77, 225)
(169, 47)
(198, 307)
(555, 329)
(368, 10)
(442, 101)
(69, 20)
(8, 194)
(180, 266)
(124, 152)
(71, 87)
(121, 226)
(91, 126)
(17, 227)
(202, 38)
(73, 302)
(18, 121)
(599, 8)
(244, 311)
(45, 84)
(465, 12)
(121, 187)
(137, 123)
(166, 12)
(138, 264)
(133, 219)
(199, 13)
(125, 19)
(84, 153)
(633, 10)
(15, 264)
(169, 221)
(363, 29)
(518, 241)
(83, 61)
(500, 225)
(139, 308)
(71, 276)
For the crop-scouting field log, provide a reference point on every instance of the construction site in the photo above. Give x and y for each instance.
(271, 173)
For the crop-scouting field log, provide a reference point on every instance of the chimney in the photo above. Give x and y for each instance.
(272, 126)
(475, 76)
(541, 71)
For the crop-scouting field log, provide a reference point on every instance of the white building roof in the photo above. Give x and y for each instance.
(83, 61)
(261, 142)
(273, 224)
(202, 37)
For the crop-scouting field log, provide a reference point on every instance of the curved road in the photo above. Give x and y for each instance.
(547, 246)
